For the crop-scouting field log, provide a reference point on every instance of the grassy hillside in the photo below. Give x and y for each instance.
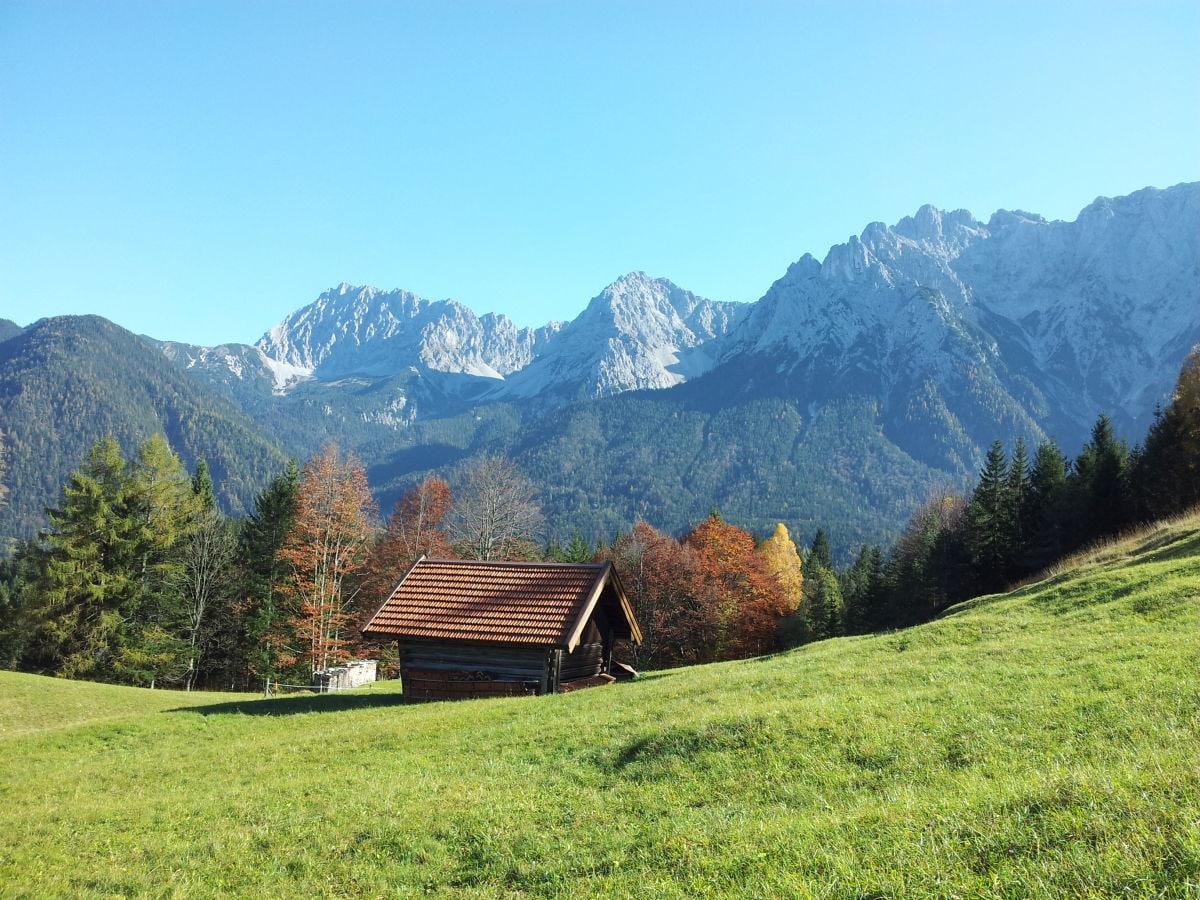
(1040, 744)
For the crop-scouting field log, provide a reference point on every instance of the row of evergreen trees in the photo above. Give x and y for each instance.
(1025, 513)
(140, 579)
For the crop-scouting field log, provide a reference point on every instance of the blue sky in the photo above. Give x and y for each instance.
(197, 170)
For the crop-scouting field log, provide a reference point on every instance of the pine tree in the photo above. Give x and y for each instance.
(84, 586)
(820, 553)
(991, 521)
(1047, 529)
(262, 572)
(1099, 483)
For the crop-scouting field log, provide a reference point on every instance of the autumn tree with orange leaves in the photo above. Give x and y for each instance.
(737, 583)
(709, 597)
(416, 527)
(325, 554)
(660, 577)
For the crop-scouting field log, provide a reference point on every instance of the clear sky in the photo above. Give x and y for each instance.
(197, 170)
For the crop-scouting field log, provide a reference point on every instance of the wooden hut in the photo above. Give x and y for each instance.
(490, 629)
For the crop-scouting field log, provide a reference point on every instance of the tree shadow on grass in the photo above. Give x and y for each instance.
(295, 705)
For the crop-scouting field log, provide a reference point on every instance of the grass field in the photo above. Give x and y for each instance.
(1044, 743)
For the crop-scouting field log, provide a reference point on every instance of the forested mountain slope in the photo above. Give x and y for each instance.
(1038, 743)
(66, 382)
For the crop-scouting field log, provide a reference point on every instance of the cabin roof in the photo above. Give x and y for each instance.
(533, 604)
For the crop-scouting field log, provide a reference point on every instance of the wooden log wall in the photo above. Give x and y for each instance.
(460, 671)
(587, 660)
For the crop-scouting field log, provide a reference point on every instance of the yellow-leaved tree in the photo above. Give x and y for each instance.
(783, 561)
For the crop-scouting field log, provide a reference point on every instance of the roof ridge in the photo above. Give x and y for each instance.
(515, 563)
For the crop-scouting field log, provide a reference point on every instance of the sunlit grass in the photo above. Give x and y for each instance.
(1037, 744)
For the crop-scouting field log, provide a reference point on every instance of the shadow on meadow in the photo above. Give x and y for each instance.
(296, 705)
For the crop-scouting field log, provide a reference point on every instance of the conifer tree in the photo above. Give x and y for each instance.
(1018, 497)
(257, 614)
(862, 591)
(991, 521)
(84, 585)
(1099, 483)
(1165, 472)
(824, 602)
(1047, 529)
(820, 553)
(202, 485)
(783, 562)
(577, 551)
(163, 508)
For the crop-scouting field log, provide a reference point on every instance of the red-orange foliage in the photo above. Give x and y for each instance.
(415, 527)
(660, 577)
(325, 552)
(706, 598)
(738, 584)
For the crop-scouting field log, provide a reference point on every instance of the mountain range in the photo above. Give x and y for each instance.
(855, 386)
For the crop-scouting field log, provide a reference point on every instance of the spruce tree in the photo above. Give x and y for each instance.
(862, 586)
(1047, 528)
(1099, 483)
(991, 522)
(820, 553)
(202, 485)
(164, 509)
(84, 584)
(1165, 471)
(1018, 484)
(262, 572)
(823, 601)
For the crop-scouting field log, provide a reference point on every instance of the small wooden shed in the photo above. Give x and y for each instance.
(471, 629)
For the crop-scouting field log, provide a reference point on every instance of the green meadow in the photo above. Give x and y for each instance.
(1042, 743)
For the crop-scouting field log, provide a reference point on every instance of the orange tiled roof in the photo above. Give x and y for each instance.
(540, 604)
